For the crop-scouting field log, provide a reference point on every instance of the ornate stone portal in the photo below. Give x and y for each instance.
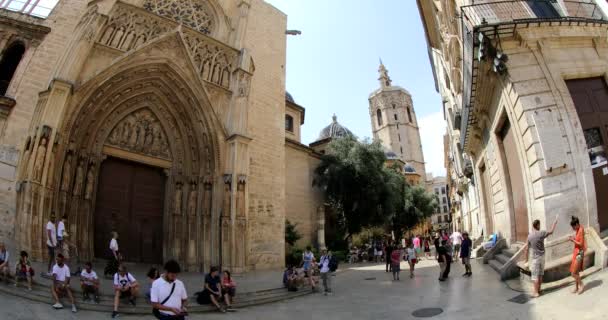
(149, 107)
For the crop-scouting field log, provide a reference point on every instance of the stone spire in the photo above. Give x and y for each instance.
(385, 80)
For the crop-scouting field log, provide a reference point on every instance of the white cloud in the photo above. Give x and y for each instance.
(432, 128)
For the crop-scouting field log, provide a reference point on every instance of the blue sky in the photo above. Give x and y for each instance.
(332, 67)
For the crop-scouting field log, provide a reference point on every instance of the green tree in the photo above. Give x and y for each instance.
(418, 204)
(291, 234)
(356, 183)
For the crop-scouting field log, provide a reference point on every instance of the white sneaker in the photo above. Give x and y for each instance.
(58, 306)
(74, 309)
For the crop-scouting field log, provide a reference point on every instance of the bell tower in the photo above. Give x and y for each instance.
(394, 121)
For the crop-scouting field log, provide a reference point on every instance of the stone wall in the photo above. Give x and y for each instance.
(302, 200)
(31, 77)
(265, 38)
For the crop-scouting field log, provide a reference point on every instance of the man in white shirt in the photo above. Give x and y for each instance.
(125, 285)
(61, 232)
(168, 296)
(61, 283)
(89, 282)
(456, 239)
(51, 240)
(325, 270)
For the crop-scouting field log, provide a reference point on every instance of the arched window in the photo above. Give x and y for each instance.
(379, 116)
(409, 114)
(395, 115)
(10, 60)
(288, 123)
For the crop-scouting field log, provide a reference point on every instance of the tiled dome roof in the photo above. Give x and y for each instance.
(289, 97)
(334, 130)
(408, 168)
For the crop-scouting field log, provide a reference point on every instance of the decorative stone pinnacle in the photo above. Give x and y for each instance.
(385, 80)
(334, 118)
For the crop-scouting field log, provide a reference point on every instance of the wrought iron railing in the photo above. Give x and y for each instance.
(522, 10)
(500, 19)
(36, 8)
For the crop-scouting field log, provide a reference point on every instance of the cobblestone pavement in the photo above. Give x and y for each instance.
(367, 292)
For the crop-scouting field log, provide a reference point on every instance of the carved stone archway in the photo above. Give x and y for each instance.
(146, 114)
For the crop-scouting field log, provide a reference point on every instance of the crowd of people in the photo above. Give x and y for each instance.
(169, 298)
(311, 272)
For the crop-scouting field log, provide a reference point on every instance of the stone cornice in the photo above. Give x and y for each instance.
(25, 23)
(6, 105)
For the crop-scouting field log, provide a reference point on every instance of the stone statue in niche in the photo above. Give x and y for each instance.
(140, 132)
(192, 200)
(88, 190)
(40, 155)
(79, 178)
(67, 172)
(26, 154)
(177, 207)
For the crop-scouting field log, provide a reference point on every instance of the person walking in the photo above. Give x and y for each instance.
(449, 251)
(465, 254)
(578, 254)
(396, 263)
(168, 296)
(536, 241)
(427, 247)
(411, 257)
(388, 256)
(51, 241)
(115, 258)
(4, 266)
(456, 239)
(417, 245)
(437, 244)
(325, 269)
(442, 258)
(308, 259)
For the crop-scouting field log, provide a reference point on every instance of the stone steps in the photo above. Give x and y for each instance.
(41, 293)
(502, 258)
(495, 264)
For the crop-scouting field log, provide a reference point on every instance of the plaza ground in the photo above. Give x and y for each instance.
(368, 292)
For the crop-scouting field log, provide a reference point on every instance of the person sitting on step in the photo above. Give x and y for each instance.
(212, 293)
(4, 261)
(89, 283)
(24, 271)
(61, 283)
(228, 290)
(125, 286)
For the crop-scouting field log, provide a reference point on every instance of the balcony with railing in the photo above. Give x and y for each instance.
(500, 20)
(36, 8)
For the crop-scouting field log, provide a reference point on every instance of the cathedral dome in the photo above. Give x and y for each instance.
(334, 130)
(390, 155)
(289, 97)
(408, 168)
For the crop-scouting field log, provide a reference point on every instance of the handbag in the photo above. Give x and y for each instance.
(155, 311)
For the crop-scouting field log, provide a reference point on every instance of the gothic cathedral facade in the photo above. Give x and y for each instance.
(159, 119)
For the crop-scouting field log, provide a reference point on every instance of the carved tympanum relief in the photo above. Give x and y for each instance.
(140, 132)
(195, 14)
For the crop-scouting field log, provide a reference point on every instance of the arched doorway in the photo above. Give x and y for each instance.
(141, 158)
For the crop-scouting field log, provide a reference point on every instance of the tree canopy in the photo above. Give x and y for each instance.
(364, 192)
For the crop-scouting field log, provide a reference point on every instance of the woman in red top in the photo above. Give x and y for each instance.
(228, 290)
(578, 256)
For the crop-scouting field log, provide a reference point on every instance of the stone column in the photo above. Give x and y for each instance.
(321, 227)
(226, 224)
(177, 221)
(192, 226)
(240, 239)
(206, 222)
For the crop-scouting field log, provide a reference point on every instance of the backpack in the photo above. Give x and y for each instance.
(333, 264)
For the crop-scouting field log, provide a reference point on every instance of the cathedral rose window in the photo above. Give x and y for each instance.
(195, 14)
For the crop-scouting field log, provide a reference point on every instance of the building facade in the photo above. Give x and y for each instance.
(394, 122)
(441, 218)
(159, 119)
(524, 102)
